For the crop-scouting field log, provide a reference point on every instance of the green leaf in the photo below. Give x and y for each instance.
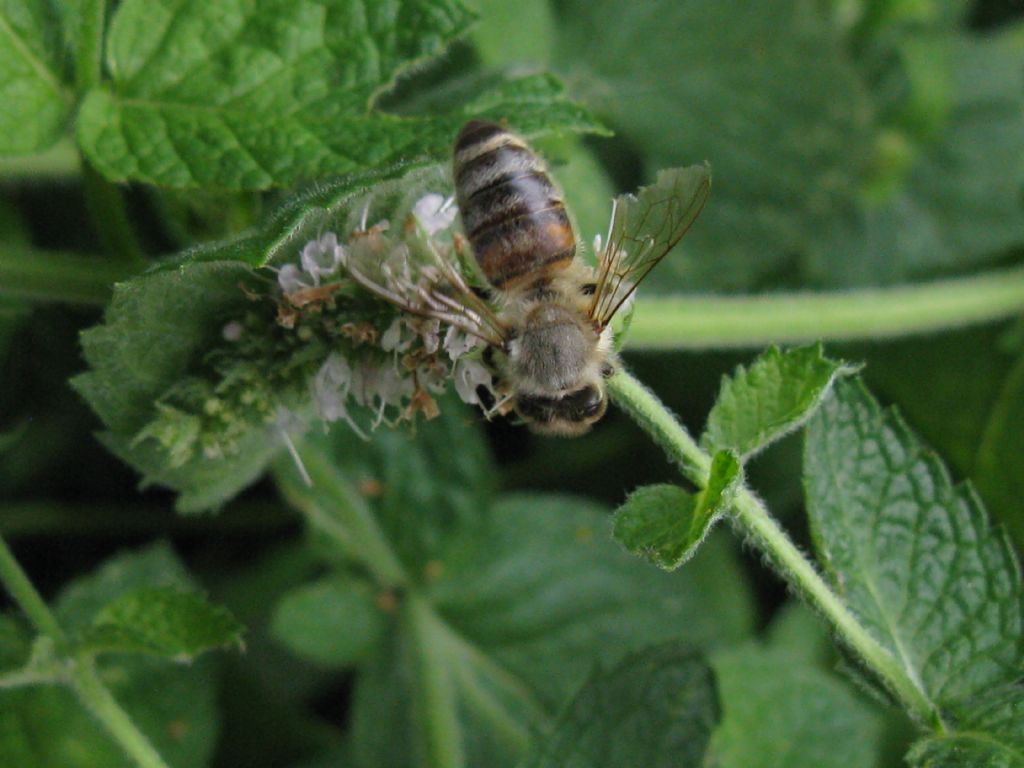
(798, 631)
(962, 392)
(517, 598)
(541, 573)
(958, 203)
(183, 306)
(334, 622)
(509, 34)
(777, 710)
(175, 706)
(656, 709)
(665, 524)
(31, 89)
(276, 92)
(689, 81)
(774, 396)
(914, 557)
(162, 621)
(430, 693)
(153, 329)
(81, 600)
(183, 311)
(989, 734)
(362, 491)
(421, 471)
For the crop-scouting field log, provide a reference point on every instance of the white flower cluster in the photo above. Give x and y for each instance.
(393, 374)
(320, 258)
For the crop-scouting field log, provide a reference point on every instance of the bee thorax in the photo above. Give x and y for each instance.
(553, 350)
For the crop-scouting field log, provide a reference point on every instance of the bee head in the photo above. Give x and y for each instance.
(568, 416)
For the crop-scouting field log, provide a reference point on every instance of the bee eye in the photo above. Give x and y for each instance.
(584, 404)
(607, 371)
(588, 289)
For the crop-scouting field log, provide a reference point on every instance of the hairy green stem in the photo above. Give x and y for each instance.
(700, 322)
(20, 678)
(26, 596)
(440, 737)
(63, 277)
(92, 19)
(334, 508)
(753, 519)
(81, 671)
(110, 218)
(96, 697)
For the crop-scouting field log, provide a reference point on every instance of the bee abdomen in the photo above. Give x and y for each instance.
(512, 213)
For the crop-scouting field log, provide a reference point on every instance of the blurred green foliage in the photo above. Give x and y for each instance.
(853, 143)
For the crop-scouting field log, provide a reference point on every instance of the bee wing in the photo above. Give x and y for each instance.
(644, 228)
(422, 280)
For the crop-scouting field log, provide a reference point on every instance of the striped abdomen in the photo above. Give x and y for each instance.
(512, 213)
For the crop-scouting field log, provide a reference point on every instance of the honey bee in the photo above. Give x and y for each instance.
(546, 316)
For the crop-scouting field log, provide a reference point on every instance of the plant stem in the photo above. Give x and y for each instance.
(81, 670)
(110, 217)
(60, 160)
(96, 697)
(752, 517)
(103, 199)
(440, 735)
(52, 276)
(92, 15)
(700, 322)
(334, 508)
(20, 678)
(26, 596)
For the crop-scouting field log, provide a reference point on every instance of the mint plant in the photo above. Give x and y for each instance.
(341, 554)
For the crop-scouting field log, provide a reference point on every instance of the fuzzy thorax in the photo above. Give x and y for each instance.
(556, 349)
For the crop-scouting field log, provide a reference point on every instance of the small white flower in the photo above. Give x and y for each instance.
(291, 279)
(397, 264)
(468, 375)
(429, 330)
(368, 251)
(331, 386)
(433, 376)
(398, 337)
(379, 384)
(232, 331)
(321, 257)
(434, 213)
(457, 342)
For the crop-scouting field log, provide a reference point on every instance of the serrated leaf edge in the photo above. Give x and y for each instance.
(843, 369)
